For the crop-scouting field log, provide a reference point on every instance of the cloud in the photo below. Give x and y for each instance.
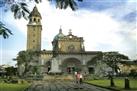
(100, 30)
(124, 12)
(128, 35)
(100, 5)
(131, 17)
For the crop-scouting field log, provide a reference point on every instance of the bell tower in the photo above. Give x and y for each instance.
(34, 29)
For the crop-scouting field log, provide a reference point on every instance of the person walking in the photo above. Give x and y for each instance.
(75, 74)
(80, 78)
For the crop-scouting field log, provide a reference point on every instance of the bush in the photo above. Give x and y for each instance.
(133, 73)
(92, 77)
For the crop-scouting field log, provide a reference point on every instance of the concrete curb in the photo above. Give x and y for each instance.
(111, 88)
(103, 87)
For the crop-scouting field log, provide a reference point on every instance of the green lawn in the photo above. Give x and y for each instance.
(119, 83)
(13, 87)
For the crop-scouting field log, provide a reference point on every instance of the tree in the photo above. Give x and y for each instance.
(5, 32)
(112, 59)
(20, 9)
(63, 4)
(26, 58)
(10, 71)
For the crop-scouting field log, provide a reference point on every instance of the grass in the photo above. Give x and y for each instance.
(119, 83)
(13, 87)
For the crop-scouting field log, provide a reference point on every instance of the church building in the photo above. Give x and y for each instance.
(68, 54)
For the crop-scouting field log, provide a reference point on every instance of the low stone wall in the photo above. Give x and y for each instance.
(59, 77)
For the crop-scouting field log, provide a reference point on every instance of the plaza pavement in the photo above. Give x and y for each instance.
(62, 86)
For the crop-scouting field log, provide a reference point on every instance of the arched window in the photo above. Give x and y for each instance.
(34, 19)
(33, 40)
(33, 28)
(38, 20)
(30, 19)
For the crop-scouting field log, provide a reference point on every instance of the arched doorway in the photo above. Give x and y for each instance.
(47, 66)
(91, 66)
(70, 65)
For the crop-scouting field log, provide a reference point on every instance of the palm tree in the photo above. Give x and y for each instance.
(5, 32)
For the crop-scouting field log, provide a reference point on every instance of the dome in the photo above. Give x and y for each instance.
(59, 35)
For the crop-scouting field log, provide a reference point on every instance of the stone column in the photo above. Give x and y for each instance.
(41, 66)
(85, 69)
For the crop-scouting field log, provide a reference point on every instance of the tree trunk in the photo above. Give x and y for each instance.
(112, 84)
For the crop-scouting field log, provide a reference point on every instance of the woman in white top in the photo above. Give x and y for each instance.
(81, 78)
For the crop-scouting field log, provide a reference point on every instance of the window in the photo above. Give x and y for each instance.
(33, 40)
(91, 70)
(30, 20)
(71, 48)
(38, 20)
(34, 19)
(70, 36)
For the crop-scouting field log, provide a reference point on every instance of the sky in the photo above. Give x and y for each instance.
(105, 25)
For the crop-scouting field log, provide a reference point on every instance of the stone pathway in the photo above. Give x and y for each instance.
(62, 86)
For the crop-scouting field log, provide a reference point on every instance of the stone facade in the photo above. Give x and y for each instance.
(69, 43)
(68, 52)
(70, 62)
(127, 66)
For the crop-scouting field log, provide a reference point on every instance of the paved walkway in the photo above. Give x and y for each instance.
(62, 86)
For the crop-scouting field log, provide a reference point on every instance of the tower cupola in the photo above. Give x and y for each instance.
(35, 16)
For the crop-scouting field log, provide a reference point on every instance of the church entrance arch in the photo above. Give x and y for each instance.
(70, 65)
(91, 66)
(48, 66)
